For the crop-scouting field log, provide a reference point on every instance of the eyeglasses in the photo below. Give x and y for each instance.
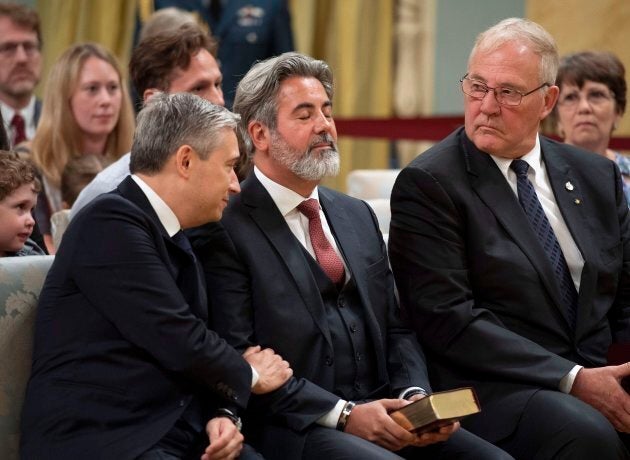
(9, 49)
(595, 97)
(504, 95)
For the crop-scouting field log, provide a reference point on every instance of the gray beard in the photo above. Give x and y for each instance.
(306, 165)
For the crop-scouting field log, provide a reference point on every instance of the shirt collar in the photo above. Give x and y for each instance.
(533, 158)
(286, 200)
(167, 217)
(28, 112)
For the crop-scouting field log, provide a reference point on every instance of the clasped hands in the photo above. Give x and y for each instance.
(226, 442)
(371, 421)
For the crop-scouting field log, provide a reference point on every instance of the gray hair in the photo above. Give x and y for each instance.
(169, 121)
(526, 32)
(256, 94)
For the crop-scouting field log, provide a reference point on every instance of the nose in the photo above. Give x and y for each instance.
(20, 53)
(583, 104)
(105, 96)
(489, 104)
(30, 220)
(214, 95)
(324, 124)
(234, 186)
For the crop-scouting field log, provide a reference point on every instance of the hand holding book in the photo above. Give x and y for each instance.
(437, 410)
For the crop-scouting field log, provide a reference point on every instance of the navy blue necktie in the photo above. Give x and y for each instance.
(541, 226)
(182, 241)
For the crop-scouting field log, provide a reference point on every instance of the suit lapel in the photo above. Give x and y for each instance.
(267, 217)
(560, 174)
(130, 190)
(349, 244)
(491, 186)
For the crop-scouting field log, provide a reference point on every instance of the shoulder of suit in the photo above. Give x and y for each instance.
(572, 154)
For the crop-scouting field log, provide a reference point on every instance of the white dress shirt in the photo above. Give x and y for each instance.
(287, 201)
(28, 113)
(537, 175)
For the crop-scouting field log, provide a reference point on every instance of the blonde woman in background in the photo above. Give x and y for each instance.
(86, 111)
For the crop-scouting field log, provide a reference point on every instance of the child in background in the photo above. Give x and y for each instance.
(19, 187)
(75, 176)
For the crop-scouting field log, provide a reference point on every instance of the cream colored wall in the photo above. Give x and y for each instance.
(586, 24)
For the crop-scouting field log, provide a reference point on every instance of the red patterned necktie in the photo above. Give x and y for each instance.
(326, 256)
(19, 129)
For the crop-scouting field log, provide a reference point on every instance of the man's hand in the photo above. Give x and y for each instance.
(272, 370)
(601, 388)
(431, 437)
(226, 441)
(371, 421)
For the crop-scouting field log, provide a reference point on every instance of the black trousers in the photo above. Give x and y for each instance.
(329, 444)
(183, 442)
(558, 426)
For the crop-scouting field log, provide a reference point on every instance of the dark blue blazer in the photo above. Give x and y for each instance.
(262, 291)
(121, 340)
(477, 283)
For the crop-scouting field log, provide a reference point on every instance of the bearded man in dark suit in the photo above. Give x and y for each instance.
(303, 269)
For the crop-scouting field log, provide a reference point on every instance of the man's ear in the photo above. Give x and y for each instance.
(184, 157)
(149, 93)
(260, 136)
(551, 97)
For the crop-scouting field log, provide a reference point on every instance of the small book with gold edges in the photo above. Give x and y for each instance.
(437, 409)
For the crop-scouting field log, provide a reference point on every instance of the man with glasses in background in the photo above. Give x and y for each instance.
(20, 70)
(511, 253)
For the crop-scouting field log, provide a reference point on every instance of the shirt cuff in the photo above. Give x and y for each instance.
(330, 419)
(567, 381)
(255, 376)
(411, 391)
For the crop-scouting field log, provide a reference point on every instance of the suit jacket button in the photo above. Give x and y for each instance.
(329, 361)
(181, 403)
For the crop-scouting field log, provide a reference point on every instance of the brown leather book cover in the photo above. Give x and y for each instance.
(437, 409)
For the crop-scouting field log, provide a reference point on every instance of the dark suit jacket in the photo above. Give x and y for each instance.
(264, 292)
(477, 283)
(121, 340)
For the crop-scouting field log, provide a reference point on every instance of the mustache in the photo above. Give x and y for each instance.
(323, 139)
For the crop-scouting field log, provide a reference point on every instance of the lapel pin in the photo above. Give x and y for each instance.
(569, 186)
(577, 201)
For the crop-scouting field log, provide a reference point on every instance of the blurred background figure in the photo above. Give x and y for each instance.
(246, 30)
(76, 175)
(591, 103)
(20, 70)
(86, 110)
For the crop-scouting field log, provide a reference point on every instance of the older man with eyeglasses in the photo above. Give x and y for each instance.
(20, 70)
(511, 253)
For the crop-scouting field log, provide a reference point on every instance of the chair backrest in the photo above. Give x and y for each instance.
(369, 184)
(59, 222)
(21, 280)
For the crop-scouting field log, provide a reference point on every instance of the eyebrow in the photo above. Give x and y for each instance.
(309, 105)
